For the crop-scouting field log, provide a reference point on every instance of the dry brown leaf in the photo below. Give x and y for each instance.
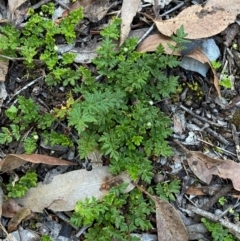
(230, 34)
(94, 10)
(170, 226)
(200, 56)
(10, 208)
(128, 11)
(202, 22)
(204, 167)
(65, 190)
(12, 161)
(17, 219)
(151, 43)
(76, 5)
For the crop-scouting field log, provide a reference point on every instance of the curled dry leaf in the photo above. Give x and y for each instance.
(10, 208)
(202, 22)
(204, 167)
(17, 219)
(65, 190)
(200, 56)
(12, 161)
(151, 43)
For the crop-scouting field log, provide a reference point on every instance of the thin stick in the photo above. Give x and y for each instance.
(210, 144)
(24, 88)
(211, 132)
(234, 229)
(199, 117)
(5, 231)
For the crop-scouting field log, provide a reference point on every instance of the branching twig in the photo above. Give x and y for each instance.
(234, 229)
(211, 132)
(199, 117)
(24, 88)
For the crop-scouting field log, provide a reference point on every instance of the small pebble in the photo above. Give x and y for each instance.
(158, 178)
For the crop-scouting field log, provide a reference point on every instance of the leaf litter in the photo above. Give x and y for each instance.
(66, 189)
(12, 161)
(216, 14)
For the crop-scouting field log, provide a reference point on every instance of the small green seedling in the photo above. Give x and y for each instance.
(166, 190)
(216, 65)
(226, 82)
(46, 238)
(19, 188)
(218, 233)
(222, 201)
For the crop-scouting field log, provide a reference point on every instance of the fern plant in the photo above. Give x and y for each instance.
(115, 217)
(26, 116)
(116, 115)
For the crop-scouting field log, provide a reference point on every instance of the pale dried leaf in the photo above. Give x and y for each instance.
(151, 43)
(129, 10)
(12, 161)
(3, 70)
(202, 22)
(14, 4)
(65, 190)
(200, 56)
(17, 219)
(10, 208)
(96, 158)
(177, 124)
(85, 55)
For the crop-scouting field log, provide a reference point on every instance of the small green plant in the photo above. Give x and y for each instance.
(218, 233)
(46, 238)
(166, 190)
(115, 217)
(216, 65)
(226, 82)
(222, 201)
(26, 116)
(115, 115)
(30, 143)
(19, 188)
(36, 43)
